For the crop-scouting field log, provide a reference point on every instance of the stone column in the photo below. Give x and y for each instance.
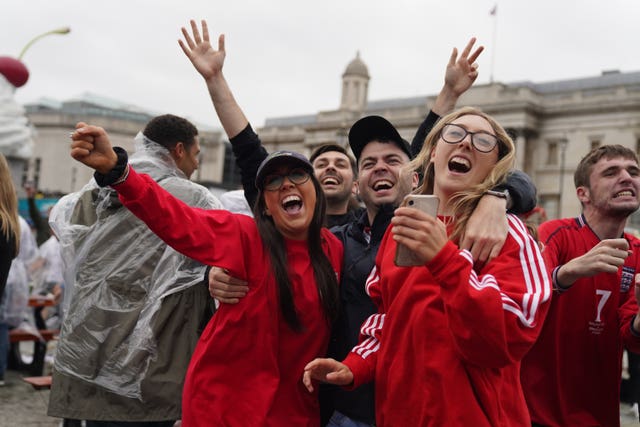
(521, 149)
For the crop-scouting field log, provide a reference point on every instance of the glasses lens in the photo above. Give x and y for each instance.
(453, 133)
(273, 182)
(484, 141)
(298, 176)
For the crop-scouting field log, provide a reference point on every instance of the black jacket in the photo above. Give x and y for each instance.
(361, 243)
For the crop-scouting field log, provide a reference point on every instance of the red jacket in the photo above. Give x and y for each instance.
(571, 377)
(247, 367)
(445, 348)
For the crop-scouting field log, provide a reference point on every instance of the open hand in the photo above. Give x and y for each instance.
(486, 230)
(326, 370)
(206, 60)
(462, 71)
(225, 288)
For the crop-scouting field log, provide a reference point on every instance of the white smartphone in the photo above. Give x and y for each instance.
(426, 203)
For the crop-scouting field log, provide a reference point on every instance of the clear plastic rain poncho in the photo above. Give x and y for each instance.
(15, 302)
(117, 274)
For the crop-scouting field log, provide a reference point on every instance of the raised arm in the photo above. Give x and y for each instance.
(212, 237)
(460, 74)
(209, 62)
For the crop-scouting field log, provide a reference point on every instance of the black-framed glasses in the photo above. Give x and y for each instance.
(481, 141)
(273, 182)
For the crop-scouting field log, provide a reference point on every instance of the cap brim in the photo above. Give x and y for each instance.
(273, 163)
(372, 128)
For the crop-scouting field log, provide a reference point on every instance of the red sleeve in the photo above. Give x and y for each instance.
(550, 233)
(626, 313)
(209, 236)
(363, 357)
(495, 316)
(628, 307)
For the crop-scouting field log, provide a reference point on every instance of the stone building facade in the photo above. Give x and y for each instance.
(53, 171)
(553, 123)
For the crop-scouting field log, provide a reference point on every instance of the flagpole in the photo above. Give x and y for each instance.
(493, 13)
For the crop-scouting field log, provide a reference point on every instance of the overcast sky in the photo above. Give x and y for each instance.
(286, 57)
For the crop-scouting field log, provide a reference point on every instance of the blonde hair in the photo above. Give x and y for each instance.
(9, 224)
(464, 202)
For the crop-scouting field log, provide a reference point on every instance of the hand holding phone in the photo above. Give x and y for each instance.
(426, 203)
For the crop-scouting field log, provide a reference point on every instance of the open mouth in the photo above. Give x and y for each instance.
(459, 164)
(330, 180)
(292, 204)
(382, 185)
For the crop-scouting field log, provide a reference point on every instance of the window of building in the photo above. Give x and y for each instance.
(553, 153)
(551, 204)
(25, 174)
(37, 166)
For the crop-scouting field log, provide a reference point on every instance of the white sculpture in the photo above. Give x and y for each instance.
(16, 134)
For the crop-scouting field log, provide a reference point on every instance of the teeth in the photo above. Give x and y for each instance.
(332, 181)
(290, 199)
(384, 183)
(292, 204)
(462, 161)
(459, 164)
(625, 193)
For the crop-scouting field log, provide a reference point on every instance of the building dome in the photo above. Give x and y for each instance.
(357, 67)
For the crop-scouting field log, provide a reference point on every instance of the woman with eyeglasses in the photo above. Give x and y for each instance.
(446, 345)
(246, 368)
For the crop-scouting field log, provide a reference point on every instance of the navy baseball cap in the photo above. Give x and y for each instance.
(375, 128)
(279, 158)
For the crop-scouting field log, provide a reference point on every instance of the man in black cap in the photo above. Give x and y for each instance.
(381, 154)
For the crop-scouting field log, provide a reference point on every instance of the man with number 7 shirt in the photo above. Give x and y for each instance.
(571, 376)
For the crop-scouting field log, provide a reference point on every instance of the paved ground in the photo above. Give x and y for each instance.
(628, 418)
(21, 405)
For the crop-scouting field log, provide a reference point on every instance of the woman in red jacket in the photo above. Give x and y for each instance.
(246, 368)
(446, 345)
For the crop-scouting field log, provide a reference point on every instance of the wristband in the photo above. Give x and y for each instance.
(115, 175)
(504, 194)
(123, 178)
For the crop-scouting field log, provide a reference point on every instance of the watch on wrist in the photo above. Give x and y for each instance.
(503, 194)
